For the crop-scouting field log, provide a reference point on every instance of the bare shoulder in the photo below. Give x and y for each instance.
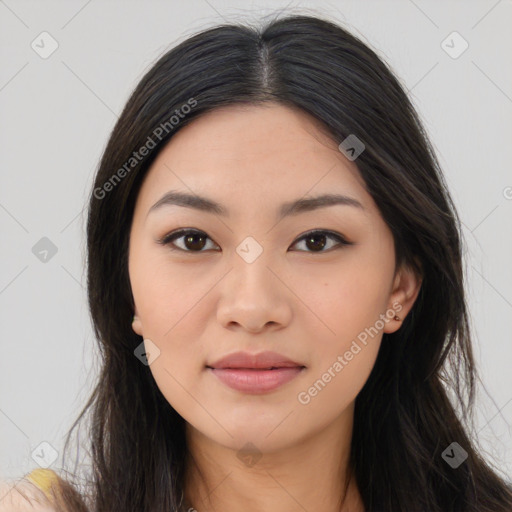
(23, 496)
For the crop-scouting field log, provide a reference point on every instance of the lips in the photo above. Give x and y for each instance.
(255, 373)
(261, 361)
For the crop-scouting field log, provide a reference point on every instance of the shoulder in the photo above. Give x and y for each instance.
(28, 494)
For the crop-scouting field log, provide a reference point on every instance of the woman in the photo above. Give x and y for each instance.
(276, 282)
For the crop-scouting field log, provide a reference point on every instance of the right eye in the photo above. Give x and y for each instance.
(193, 240)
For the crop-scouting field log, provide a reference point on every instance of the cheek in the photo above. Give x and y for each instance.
(168, 300)
(346, 342)
(175, 375)
(344, 298)
(165, 293)
(333, 386)
(346, 304)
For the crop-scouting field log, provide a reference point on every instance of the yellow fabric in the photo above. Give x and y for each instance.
(43, 478)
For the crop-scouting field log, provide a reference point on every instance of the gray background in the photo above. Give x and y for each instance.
(57, 114)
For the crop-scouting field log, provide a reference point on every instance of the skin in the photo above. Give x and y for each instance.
(306, 304)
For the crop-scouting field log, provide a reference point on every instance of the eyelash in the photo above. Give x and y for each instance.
(170, 237)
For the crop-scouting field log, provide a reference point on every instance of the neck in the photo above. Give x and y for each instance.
(311, 475)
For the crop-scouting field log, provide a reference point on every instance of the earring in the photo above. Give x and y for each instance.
(397, 318)
(133, 320)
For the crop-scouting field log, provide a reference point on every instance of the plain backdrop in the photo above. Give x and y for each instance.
(56, 115)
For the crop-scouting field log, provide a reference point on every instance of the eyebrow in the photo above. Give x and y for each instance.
(175, 198)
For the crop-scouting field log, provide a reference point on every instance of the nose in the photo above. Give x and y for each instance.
(254, 298)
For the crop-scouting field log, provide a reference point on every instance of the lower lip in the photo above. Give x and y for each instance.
(256, 381)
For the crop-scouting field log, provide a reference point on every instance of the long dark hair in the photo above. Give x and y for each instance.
(404, 419)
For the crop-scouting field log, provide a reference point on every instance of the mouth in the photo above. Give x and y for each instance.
(254, 369)
(261, 361)
(255, 373)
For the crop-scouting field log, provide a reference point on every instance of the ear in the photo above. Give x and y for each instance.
(137, 324)
(406, 287)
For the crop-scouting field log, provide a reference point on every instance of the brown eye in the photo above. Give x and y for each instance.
(194, 241)
(191, 240)
(316, 241)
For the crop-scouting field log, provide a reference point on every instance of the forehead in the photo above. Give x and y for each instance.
(247, 132)
(249, 153)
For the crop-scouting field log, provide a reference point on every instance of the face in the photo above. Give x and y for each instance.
(316, 285)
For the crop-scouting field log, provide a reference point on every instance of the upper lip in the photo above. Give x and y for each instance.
(261, 360)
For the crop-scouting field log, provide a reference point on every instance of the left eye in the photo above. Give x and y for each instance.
(194, 240)
(316, 239)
